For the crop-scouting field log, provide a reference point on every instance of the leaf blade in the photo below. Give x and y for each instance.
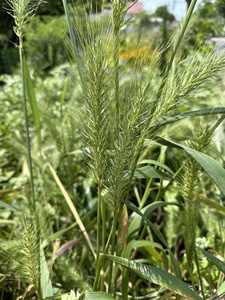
(219, 263)
(31, 95)
(202, 112)
(96, 296)
(157, 276)
(214, 170)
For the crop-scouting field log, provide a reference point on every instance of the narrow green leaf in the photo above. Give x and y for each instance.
(96, 296)
(202, 112)
(144, 213)
(9, 206)
(212, 204)
(157, 232)
(215, 171)
(219, 263)
(72, 208)
(46, 285)
(150, 172)
(157, 163)
(157, 276)
(142, 243)
(31, 95)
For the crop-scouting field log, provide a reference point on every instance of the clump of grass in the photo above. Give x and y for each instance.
(119, 112)
(116, 125)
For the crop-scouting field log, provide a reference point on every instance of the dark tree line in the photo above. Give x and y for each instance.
(48, 7)
(8, 39)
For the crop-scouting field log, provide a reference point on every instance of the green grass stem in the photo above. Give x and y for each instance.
(69, 23)
(175, 50)
(181, 35)
(29, 154)
(73, 209)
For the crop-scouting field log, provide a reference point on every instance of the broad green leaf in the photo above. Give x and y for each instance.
(31, 95)
(215, 171)
(219, 263)
(46, 285)
(150, 172)
(157, 276)
(202, 112)
(96, 296)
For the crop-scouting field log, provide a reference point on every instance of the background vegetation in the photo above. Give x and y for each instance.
(112, 175)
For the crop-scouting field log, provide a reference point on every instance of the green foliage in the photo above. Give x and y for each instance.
(157, 276)
(127, 176)
(207, 23)
(162, 12)
(45, 42)
(221, 7)
(96, 296)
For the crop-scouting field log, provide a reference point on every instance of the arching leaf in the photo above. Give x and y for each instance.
(157, 276)
(215, 171)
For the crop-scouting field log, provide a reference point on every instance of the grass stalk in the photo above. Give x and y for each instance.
(22, 11)
(69, 23)
(99, 211)
(101, 234)
(199, 274)
(119, 9)
(181, 35)
(116, 77)
(73, 209)
(175, 49)
(29, 154)
(112, 280)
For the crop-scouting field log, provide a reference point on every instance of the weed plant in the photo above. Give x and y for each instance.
(89, 217)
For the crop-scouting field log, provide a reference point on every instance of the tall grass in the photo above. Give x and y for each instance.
(115, 131)
(124, 119)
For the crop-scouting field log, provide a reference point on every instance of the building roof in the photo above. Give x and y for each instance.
(134, 8)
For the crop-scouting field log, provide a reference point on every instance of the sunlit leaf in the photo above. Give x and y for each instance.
(156, 163)
(216, 261)
(202, 112)
(144, 217)
(215, 171)
(46, 285)
(150, 172)
(157, 276)
(70, 296)
(96, 296)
